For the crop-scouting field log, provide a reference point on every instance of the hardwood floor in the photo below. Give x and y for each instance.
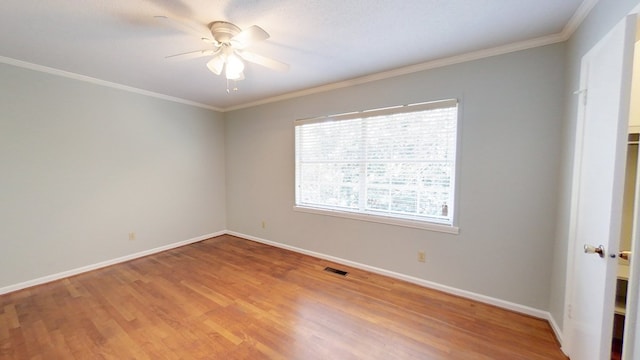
(229, 298)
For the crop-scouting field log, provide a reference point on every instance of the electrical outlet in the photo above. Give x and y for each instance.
(132, 236)
(264, 224)
(422, 257)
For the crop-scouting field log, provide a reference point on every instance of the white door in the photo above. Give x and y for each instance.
(601, 144)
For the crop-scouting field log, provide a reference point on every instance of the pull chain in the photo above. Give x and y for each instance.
(235, 87)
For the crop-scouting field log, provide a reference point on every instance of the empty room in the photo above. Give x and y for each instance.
(319, 179)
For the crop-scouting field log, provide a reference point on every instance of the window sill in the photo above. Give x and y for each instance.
(449, 229)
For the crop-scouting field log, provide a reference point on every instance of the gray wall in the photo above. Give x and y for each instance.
(82, 165)
(511, 121)
(605, 15)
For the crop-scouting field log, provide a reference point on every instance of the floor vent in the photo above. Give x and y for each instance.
(336, 271)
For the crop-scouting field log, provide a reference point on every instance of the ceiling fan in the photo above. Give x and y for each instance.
(228, 50)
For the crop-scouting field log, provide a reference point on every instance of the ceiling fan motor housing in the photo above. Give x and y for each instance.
(223, 31)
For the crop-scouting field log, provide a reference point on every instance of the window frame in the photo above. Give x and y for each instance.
(405, 221)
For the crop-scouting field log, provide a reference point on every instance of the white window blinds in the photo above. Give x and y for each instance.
(394, 162)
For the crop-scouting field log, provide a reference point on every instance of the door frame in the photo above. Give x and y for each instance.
(631, 324)
(567, 342)
(573, 210)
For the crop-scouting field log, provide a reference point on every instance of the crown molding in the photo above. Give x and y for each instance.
(578, 17)
(457, 59)
(95, 81)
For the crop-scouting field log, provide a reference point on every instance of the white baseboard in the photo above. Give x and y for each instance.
(557, 331)
(80, 270)
(541, 314)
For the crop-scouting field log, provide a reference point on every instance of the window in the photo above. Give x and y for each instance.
(393, 165)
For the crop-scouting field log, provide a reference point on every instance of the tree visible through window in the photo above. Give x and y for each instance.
(396, 162)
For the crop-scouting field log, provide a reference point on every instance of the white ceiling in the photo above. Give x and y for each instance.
(324, 41)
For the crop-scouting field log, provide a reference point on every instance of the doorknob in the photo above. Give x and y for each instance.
(590, 249)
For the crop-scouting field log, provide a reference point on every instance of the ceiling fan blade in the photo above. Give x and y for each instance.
(248, 36)
(264, 61)
(190, 55)
(187, 27)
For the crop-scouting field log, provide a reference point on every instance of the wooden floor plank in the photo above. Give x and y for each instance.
(232, 298)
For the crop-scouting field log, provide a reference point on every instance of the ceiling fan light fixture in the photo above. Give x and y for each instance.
(234, 67)
(234, 76)
(216, 64)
